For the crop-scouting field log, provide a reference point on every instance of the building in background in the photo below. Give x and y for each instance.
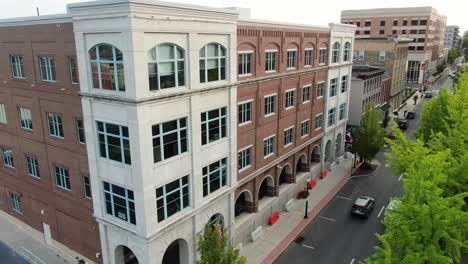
(391, 54)
(452, 37)
(422, 24)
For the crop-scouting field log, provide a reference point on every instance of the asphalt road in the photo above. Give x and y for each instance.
(7, 255)
(336, 237)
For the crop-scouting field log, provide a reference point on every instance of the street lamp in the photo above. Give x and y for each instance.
(307, 200)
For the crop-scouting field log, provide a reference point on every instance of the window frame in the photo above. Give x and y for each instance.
(267, 145)
(347, 52)
(87, 185)
(331, 113)
(15, 203)
(25, 121)
(382, 57)
(154, 59)
(80, 130)
(126, 198)
(308, 57)
(222, 168)
(320, 118)
(32, 166)
(219, 119)
(48, 67)
(342, 111)
(73, 70)
(336, 50)
(56, 124)
(344, 83)
(321, 89)
(244, 162)
(3, 117)
(243, 113)
(289, 100)
(245, 65)
(114, 62)
(166, 193)
(17, 66)
(218, 58)
(65, 178)
(333, 87)
(291, 59)
(271, 61)
(121, 139)
(322, 56)
(8, 160)
(361, 55)
(268, 105)
(306, 99)
(161, 134)
(288, 138)
(305, 128)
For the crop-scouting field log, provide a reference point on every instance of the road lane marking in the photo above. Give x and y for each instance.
(401, 176)
(352, 261)
(342, 197)
(381, 210)
(326, 218)
(37, 258)
(304, 245)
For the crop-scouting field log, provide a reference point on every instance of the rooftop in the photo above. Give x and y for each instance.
(363, 72)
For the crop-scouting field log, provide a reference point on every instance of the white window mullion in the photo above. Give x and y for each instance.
(105, 139)
(98, 64)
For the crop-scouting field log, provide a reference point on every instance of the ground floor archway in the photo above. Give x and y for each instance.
(338, 143)
(286, 175)
(301, 165)
(124, 255)
(176, 253)
(267, 188)
(315, 156)
(243, 203)
(328, 151)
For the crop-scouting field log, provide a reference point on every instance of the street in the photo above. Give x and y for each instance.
(7, 255)
(335, 236)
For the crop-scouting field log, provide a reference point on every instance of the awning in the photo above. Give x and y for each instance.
(384, 107)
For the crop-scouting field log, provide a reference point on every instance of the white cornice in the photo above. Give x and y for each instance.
(279, 25)
(391, 12)
(35, 20)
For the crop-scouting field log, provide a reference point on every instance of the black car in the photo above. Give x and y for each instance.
(429, 95)
(411, 115)
(363, 206)
(403, 124)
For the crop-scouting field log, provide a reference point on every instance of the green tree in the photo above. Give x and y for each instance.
(214, 248)
(434, 117)
(453, 54)
(369, 137)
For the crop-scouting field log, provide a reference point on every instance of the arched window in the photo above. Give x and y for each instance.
(347, 51)
(212, 63)
(166, 66)
(107, 67)
(336, 52)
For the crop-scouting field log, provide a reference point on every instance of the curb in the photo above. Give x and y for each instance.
(278, 250)
(370, 174)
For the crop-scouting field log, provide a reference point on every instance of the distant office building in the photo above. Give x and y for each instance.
(452, 37)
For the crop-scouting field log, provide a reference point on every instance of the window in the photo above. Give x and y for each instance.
(344, 83)
(8, 158)
(361, 55)
(366, 32)
(382, 55)
(268, 145)
(292, 58)
(308, 57)
(405, 22)
(120, 202)
(169, 139)
(270, 61)
(413, 31)
(414, 22)
(320, 88)
(336, 52)
(114, 142)
(354, 55)
(347, 51)
(422, 31)
(107, 67)
(342, 111)
(172, 198)
(166, 67)
(420, 48)
(411, 48)
(358, 23)
(394, 32)
(244, 158)
(16, 203)
(214, 176)
(318, 121)
(17, 66)
(87, 187)
(245, 62)
(305, 128)
(3, 118)
(381, 32)
(306, 94)
(403, 31)
(32, 166)
(289, 99)
(358, 32)
(80, 131)
(288, 136)
(73, 68)
(270, 104)
(245, 113)
(55, 125)
(421, 40)
(212, 63)
(395, 22)
(62, 178)
(47, 66)
(382, 23)
(423, 22)
(322, 56)
(213, 125)
(367, 24)
(331, 116)
(333, 86)
(25, 118)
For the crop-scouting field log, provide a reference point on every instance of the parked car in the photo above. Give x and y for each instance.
(411, 115)
(429, 95)
(363, 206)
(403, 124)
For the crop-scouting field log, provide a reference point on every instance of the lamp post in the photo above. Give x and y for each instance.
(307, 201)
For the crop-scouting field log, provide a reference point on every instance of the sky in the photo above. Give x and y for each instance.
(311, 12)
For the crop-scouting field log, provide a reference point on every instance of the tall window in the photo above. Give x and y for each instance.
(292, 58)
(289, 99)
(114, 142)
(172, 198)
(73, 68)
(361, 55)
(347, 51)
(214, 176)
(55, 125)
(8, 158)
(320, 88)
(306, 94)
(305, 128)
(382, 55)
(166, 67)
(395, 22)
(318, 121)
(270, 60)
(333, 86)
(3, 118)
(17, 66)
(244, 158)
(336, 52)
(212, 63)
(270, 104)
(342, 111)
(245, 63)
(322, 56)
(331, 116)
(25, 118)
(32, 166)
(107, 67)
(87, 187)
(382, 23)
(288, 136)
(120, 202)
(80, 131)
(268, 146)
(245, 112)
(62, 178)
(47, 65)
(344, 83)
(169, 139)
(15, 201)
(367, 23)
(213, 125)
(308, 57)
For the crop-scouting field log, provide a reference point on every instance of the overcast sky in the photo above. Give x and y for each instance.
(298, 11)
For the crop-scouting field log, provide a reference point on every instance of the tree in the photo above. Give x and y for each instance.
(453, 54)
(369, 137)
(213, 248)
(415, 98)
(434, 116)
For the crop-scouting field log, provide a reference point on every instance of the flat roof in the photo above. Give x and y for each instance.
(268, 23)
(35, 20)
(364, 72)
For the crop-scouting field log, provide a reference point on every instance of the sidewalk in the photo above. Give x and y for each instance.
(409, 106)
(276, 238)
